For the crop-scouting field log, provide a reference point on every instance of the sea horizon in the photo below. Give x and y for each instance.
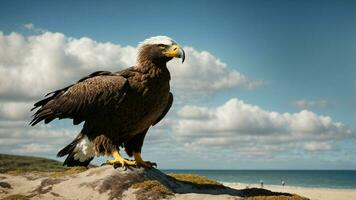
(310, 178)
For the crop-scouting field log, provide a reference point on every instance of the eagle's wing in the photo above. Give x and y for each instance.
(165, 111)
(97, 93)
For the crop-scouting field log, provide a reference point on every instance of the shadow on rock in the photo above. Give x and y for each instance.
(187, 183)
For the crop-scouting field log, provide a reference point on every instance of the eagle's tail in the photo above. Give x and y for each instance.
(75, 157)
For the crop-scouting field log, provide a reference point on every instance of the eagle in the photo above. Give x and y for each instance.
(117, 108)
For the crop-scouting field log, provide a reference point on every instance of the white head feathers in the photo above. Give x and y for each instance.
(158, 40)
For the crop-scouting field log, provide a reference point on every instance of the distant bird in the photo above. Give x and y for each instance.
(117, 108)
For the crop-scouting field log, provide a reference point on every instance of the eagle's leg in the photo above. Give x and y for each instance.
(119, 160)
(133, 148)
(140, 162)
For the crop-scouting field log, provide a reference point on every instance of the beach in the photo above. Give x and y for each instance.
(312, 193)
(314, 184)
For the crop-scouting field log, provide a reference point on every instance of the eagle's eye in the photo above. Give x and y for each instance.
(162, 46)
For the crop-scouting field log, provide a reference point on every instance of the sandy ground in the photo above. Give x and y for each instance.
(83, 186)
(195, 196)
(312, 193)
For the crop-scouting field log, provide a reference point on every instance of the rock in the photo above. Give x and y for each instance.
(5, 185)
(108, 183)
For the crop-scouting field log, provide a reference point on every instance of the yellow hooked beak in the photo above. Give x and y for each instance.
(175, 51)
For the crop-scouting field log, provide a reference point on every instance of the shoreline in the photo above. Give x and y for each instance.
(289, 186)
(315, 193)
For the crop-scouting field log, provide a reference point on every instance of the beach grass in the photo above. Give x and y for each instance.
(16, 197)
(20, 164)
(153, 187)
(200, 182)
(293, 197)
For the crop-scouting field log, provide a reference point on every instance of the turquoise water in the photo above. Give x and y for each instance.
(303, 178)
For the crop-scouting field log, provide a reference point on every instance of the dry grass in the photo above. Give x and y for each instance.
(263, 194)
(20, 165)
(68, 172)
(194, 180)
(153, 186)
(151, 189)
(293, 197)
(23, 164)
(16, 197)
(198, 181)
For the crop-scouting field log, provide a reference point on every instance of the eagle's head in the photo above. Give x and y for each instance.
(159, 50)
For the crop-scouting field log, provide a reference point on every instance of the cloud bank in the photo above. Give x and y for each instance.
(237, 125)
(31, 66)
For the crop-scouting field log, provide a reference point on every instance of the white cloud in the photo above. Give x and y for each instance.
(33, 28)
(237, 125)
(29, 26)
(317, 146)
(35, 148)
(19, 138)
(34, 65)
(15, 110)
(307, 104)
(203, 74)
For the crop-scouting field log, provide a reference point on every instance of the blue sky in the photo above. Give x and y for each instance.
(303, 51)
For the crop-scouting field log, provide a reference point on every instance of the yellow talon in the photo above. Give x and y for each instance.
(139, 161)
(118, 160)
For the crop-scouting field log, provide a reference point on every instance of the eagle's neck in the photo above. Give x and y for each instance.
(152, 63)
(154, 70)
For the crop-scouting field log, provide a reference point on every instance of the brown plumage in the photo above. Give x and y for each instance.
(117, 108)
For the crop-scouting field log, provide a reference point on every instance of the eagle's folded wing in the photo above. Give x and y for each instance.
(165, 111)
(94, 94)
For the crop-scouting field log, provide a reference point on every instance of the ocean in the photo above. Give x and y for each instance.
(345, 179)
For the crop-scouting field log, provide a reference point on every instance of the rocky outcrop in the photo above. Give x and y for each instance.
(109, 183)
